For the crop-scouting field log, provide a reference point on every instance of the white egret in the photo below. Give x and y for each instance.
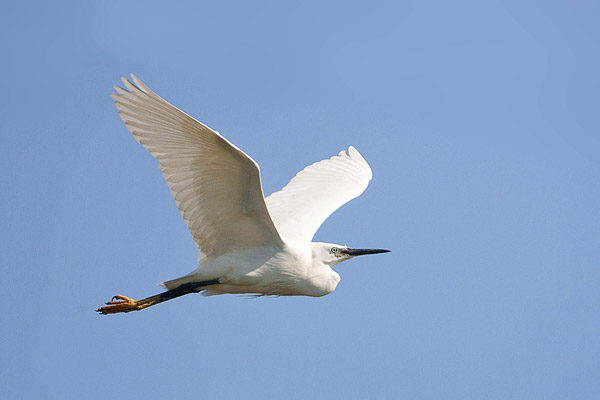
(248, 244)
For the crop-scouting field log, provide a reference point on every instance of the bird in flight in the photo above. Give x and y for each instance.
(248, 243)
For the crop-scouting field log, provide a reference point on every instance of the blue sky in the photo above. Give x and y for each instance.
(479, 120)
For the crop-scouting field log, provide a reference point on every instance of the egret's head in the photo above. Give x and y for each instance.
(333, 254)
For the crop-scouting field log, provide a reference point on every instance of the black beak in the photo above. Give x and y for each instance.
(362, 252)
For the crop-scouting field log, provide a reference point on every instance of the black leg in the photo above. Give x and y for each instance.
(125, 304)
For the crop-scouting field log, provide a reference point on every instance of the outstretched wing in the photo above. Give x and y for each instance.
(300, 208)
(215, 185)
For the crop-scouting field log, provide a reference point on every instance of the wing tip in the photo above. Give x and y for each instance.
(350, 152)
(355, 155)
(138, 82)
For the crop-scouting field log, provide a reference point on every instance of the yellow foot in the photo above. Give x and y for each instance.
(122, 304)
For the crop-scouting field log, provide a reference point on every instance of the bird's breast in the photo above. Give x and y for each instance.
(323, 281)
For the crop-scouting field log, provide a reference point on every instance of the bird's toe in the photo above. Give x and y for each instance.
(119, 304)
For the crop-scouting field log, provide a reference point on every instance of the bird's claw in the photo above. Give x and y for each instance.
(119, 304)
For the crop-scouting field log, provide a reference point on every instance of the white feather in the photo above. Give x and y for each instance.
(300, 208)
(216, 186)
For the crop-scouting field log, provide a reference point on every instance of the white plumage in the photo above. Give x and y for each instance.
(215, 185)
(248, 244)
(300, 208)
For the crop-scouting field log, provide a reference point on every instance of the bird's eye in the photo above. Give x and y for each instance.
(334, 249)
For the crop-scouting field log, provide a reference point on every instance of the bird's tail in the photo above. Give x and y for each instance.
(174, 283)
